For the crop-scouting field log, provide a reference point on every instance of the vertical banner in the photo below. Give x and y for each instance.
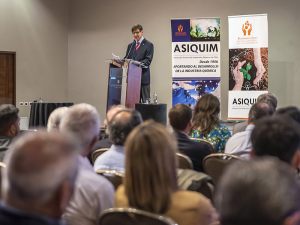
(248, 62)
(195, 59)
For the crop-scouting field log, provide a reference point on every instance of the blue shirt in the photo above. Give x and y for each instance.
(113, 159)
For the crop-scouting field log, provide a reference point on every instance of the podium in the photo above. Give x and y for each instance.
(124, 84)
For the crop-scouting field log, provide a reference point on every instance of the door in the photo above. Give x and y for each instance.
(7, 78)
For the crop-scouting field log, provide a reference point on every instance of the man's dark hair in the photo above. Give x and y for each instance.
(263, 191)
(268, 98)
(179, 116)
(136, 27)
(291, 111)
(260, 110)
(122, 124)
(277, 136)
(8, 116)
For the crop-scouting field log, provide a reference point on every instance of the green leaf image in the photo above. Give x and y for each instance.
(245, 70)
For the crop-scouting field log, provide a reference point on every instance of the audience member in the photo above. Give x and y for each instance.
(180, 118)
(106, 142)
(119, 128)
(150, 181)
(258, 192)
(268, 98)
(277, 136)
(206, 124)
(9, 126)
(55, 118)
(291, 111)
(93, 193)
(240, 143)
(39, 179)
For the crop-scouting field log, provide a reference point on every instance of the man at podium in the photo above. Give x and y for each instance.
(141, 50)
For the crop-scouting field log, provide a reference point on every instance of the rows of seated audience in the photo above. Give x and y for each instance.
(63, 174)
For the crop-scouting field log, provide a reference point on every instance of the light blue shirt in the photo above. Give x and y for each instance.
(112, 159)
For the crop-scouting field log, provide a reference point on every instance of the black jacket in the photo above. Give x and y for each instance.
(196, 151)
(144, 54)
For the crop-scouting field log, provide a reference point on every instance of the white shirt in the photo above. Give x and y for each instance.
(240, 142)
(93, 194)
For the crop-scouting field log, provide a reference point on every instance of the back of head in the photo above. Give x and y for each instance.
(268, 98)
(55, 118)
(276, 136)
(150, 167)
(260, 110)
(83, 123)
(9, 119)
(179, 116)
(206, 113)
(257, 192)
(122, 124)
(38, 164)
(291, 111)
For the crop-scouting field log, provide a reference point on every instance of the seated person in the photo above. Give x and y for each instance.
(240, 143)
(277, 136)
(93, 193)
(119, 128)
(180, 117)
(206, 124)
(55, 118)
(258, 192)
(39, 179)
(9, 126)
(150, 181)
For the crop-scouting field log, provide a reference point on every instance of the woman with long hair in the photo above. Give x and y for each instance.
(150, 181)
(206, 123)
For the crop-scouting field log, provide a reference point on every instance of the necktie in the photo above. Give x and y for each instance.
(137, 45)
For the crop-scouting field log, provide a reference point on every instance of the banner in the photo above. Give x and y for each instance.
(248, 62)
(195, 59)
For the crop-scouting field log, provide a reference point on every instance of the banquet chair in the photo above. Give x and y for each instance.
(131, 216)
(184, 162)
(97, 153)
(114, 176)
(215, 164)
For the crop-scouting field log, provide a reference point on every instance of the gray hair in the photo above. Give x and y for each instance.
(82, 121)
(261, 191)
(37, 165)
(55, 118)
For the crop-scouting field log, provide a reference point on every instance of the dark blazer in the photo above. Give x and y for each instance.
(196, 151)
(144, 55)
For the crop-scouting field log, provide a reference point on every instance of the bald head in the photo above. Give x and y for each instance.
(122, 124)
(82, 121)
(37, 166)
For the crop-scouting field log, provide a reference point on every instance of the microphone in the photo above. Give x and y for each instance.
(129, 50)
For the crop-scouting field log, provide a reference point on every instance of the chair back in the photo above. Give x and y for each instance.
(2, 166)
(97, 153)
(184, 162)
(210, 145)
(115, 177)
(131, 216)
(215, 164)
(195, 181)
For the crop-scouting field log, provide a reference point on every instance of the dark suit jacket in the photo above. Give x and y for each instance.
(196, 151)
(144, 55)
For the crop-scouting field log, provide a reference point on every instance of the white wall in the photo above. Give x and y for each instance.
(62, 45)
(98, 28)
(37, 30)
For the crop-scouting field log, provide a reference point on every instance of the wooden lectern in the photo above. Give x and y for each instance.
(124, 83)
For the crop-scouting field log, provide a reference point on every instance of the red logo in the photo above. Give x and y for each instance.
(180, 28)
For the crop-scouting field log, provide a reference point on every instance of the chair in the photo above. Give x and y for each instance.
(215, 164)
(115, 177)
(97, 153)
(131, 216)
(210, 145)
(195, 181)
(184, 162)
